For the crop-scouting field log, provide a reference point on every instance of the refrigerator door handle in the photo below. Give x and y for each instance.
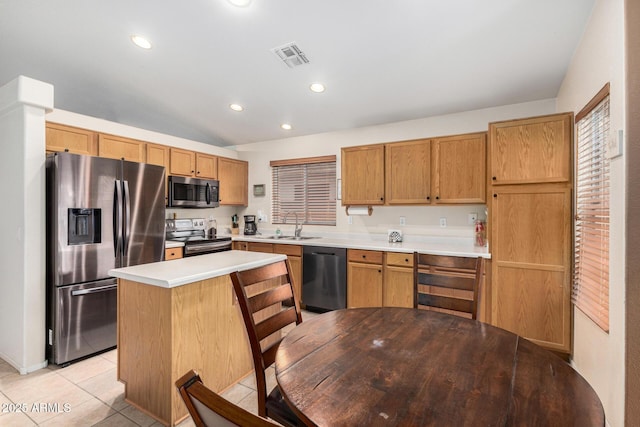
(117, 218)
(93, 290)
(127, 216)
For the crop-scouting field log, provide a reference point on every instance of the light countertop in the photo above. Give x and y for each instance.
(178, 272)
(451, 246)
(170, 244)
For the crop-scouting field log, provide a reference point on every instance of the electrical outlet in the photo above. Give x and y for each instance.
(473, 216)
(350, 220)
(403, 220)
(443, 222)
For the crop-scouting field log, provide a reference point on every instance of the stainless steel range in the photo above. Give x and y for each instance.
(193, 232)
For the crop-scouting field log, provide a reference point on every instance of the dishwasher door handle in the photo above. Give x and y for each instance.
(323, 254)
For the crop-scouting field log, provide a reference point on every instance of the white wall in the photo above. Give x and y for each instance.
(22, 292)
(599, 59)
(420, 220)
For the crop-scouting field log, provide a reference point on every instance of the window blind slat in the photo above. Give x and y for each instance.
(590, 290)
(307, 189)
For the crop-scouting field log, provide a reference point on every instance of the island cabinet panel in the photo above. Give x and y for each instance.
(164, 332)
(71, 139)
(534, 150)
(363, 175)
(408, 172)
(459, 169)
(115, 147)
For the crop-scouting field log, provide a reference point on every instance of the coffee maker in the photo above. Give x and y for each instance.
(250, 225)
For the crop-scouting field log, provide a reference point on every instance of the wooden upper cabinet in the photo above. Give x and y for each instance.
(206, 166)
(158, 155)
(115, 147)
(71, 139)
(183, 162)
(534, 150)
(363, 175)
(459, 169)
(234, 181)
(408, 172)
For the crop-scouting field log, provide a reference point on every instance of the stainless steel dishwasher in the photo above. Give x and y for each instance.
(324, 278)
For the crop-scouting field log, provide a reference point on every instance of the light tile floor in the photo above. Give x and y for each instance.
(87, 393)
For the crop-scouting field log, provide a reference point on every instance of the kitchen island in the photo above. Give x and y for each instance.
(179, 315)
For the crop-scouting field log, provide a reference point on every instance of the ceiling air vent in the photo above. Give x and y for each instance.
(291, 55)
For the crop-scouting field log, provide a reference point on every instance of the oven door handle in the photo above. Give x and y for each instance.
(93, 290)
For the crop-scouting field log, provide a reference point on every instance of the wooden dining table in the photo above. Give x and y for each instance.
(409, 367)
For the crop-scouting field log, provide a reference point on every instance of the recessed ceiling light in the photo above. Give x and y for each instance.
(236, 107)
(240, 3)
(317, 87)
(285, 126)
(141, 41)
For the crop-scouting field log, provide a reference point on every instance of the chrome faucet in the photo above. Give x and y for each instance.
(297, 230)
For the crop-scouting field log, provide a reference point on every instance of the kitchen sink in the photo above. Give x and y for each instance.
(302, 238)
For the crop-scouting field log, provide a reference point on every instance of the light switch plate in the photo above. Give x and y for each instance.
(615, 144)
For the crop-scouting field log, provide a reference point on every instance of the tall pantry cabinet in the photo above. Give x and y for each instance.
(530, 209)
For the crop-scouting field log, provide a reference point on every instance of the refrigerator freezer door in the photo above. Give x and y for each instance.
(144, 213)
(80, 206)
(85, 320)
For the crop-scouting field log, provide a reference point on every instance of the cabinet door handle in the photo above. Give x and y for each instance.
(428, 198)
(495, 195)
(493, 178)
(437, 197)
(381, 199)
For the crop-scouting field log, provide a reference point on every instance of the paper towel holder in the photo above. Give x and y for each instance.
(360, 210)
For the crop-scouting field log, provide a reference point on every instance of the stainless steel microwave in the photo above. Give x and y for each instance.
(187, 192)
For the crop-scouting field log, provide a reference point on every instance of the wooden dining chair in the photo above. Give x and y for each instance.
(258, 289)
(209, 409)
(447, 283)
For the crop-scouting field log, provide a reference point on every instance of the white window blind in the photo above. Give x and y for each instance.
(591, 281)
(306, 187)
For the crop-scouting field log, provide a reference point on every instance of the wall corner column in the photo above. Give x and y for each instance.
(23, 105)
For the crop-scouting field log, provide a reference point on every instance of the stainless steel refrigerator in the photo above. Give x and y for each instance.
(101, 214)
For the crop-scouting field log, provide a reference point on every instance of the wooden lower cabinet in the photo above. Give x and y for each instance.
(364, 278)
(293, 253)
(172, 253)
(397, 290)
(364, 285)
(531, 263)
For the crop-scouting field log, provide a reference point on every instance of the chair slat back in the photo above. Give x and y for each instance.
(207, 408)
(275, 286)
